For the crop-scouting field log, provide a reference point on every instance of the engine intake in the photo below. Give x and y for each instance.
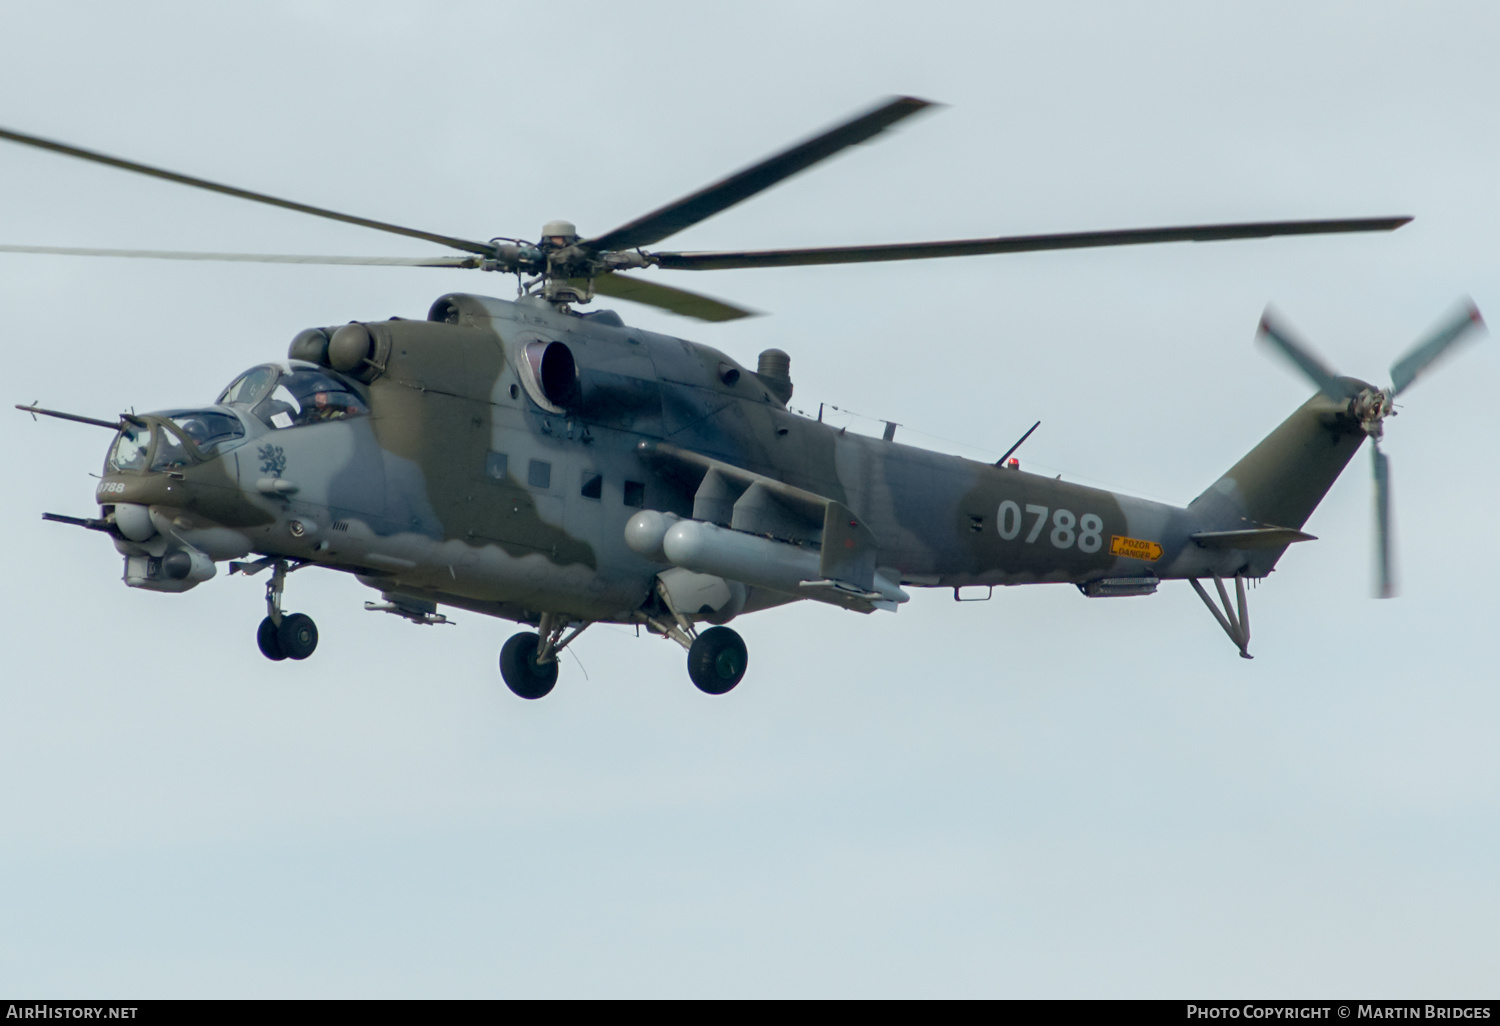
(555, 372)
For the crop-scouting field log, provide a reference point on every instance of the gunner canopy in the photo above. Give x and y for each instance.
(173, 438)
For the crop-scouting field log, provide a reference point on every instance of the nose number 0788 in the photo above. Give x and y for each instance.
(1086, 531)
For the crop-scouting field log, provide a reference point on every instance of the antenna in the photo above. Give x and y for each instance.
(1011, 451)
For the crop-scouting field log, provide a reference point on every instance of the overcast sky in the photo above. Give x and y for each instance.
(1042, 795)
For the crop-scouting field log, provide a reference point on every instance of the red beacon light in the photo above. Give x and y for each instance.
(1010, 462)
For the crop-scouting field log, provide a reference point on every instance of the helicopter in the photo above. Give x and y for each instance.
(530, 460)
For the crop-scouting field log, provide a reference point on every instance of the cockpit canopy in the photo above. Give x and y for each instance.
(279, 397)
(301, 393)
(174, 438)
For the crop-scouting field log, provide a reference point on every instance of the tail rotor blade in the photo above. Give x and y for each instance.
(1385, 573)
(1303, 358)
(1427, 352)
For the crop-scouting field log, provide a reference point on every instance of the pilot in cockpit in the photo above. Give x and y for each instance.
(331, 406)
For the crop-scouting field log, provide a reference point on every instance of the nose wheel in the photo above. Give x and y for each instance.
(270, 644)
(284, 635)
(294, 638)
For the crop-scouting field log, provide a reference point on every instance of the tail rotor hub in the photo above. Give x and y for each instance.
(1370, 408)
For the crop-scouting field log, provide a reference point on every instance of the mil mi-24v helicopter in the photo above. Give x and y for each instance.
(525, 460)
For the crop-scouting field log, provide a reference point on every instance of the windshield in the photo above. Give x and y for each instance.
(129, 452)
(309, 397)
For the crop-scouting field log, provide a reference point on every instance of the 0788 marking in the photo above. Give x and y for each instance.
(1087, 531)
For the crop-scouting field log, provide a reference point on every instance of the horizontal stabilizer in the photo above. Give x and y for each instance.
(1251, 538)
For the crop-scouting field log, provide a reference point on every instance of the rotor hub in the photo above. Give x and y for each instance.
(560, 233)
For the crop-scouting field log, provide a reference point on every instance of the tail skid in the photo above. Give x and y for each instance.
(1236, 624)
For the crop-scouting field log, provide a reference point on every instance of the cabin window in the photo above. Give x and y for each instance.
(539, 474)
(593, 485)
(495, 464)
(635, 493)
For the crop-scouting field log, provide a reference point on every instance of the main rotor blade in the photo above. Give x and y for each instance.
(467, 245)
(1303, 358)
(1426, 352)
(706, 202)
(1385, 572)
(249, 258)
(713, 261)
(678, 301)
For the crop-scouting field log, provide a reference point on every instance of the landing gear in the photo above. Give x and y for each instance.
(270, 645)
(283, 635)
(717, 657)
(528, 662)
(294, 638)
(717, 660)
(519, 666)
(297, 635)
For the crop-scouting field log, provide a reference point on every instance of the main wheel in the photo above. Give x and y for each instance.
(270, 645)
(522, 673)
(717, 660)
(297, 635)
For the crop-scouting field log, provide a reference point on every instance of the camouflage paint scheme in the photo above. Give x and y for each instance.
(412, 497)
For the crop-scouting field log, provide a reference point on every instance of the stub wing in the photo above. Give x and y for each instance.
(778, 536)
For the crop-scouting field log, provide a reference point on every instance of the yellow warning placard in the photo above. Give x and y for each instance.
(1134, 548)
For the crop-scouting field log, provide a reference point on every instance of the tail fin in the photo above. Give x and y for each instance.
(1281, 481)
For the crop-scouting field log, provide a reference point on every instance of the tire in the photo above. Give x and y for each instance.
(270, 645)
(519, 667)
(297, 635)
(717, 660)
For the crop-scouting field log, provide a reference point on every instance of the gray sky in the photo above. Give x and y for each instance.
(1042, 795)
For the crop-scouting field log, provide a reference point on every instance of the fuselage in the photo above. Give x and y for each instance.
(460, 460)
